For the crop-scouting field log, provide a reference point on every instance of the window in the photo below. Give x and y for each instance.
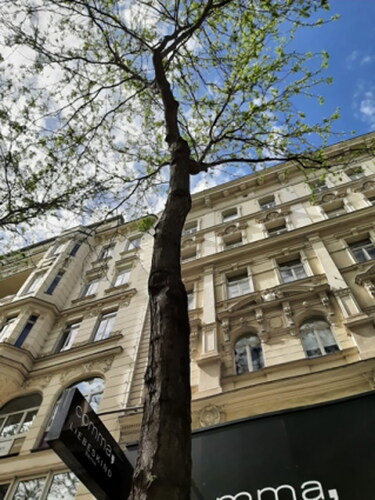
(26, 330)
(6, 328)
(238, 285)
(233, 240)
(363, 250)
(122, 277)
(133, 243)
(74, 250)
(355, 173)
(292, 270)
(276, 230)
(56, 280)
(34, 283)
(267, 202)
(230, 214)
(190, 228)
(188, 253)
(106, 252)
(248, 354)
(91, 389)
(335, 212)
(50, 487)
(17, 416)
(58, 248)
(68, 336)
(104, 327)
(90, 288)
(317, 338)
(319, 185)
(190, 300)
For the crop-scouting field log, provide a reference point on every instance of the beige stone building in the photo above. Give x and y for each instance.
(280, 274)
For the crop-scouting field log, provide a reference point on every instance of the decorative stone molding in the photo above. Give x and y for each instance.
(195, 328)
(326, 302)
(98, 365)
(287, 310)
(210, 415)
(365, 186)
(225, 330)
(37, 382)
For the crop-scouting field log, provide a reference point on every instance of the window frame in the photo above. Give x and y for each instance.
(130, 243)
(364, 250)
(68, 336)
(249, 350)
(46, 484)
(318, 338)
(230, 214)
(9, 321)
(107, 318)
(120, 272)
(291, 269)
(267, 202)
(237, 280)
(54, 283)
(86, 288)
(26, 329)
(34, 283)
(106, 252)
(190, 227)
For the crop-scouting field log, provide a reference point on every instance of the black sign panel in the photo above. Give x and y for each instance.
(82, 441)
(324, 452)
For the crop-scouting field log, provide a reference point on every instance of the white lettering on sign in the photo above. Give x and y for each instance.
(310, 490)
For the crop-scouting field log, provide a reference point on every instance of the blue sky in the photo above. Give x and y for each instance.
(350, 41)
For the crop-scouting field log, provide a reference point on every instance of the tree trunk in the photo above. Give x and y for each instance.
(163, 468)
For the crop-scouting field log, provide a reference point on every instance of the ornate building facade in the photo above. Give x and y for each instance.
(280, 274)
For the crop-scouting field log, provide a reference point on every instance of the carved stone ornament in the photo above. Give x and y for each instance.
(272, 216)
(99, 365)
(188, 243)
(37, 382)
(288, 313)
(366, 186)
(225, 329)
(328, 197)
(210, 415)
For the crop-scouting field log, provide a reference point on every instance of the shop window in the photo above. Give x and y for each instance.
(90, 288)
(292, 271)
(317, 338)
(68, 336)
(248, 354)
(106, 252)
(34, 283)
(56, 280)
(190, 228)
(122, 277)
(363, 250)
(230, 214)
(238, 285)
(26, 330)
(61, 485)
(267, 202)
(16, 418)
(355, 173)
(6, 328)
(104, 326)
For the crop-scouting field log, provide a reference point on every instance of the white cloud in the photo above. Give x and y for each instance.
(364, 103)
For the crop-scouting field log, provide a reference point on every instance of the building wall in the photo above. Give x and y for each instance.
(241, 241)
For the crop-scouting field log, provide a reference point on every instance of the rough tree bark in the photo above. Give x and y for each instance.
(163, 468)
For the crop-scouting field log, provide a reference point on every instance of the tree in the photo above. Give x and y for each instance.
(108, 94)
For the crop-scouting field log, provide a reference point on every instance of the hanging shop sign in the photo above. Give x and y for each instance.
(82, 441)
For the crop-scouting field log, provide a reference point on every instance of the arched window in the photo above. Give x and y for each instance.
(17, 415)
(92, 389)
(248, 354)
(317, 338)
